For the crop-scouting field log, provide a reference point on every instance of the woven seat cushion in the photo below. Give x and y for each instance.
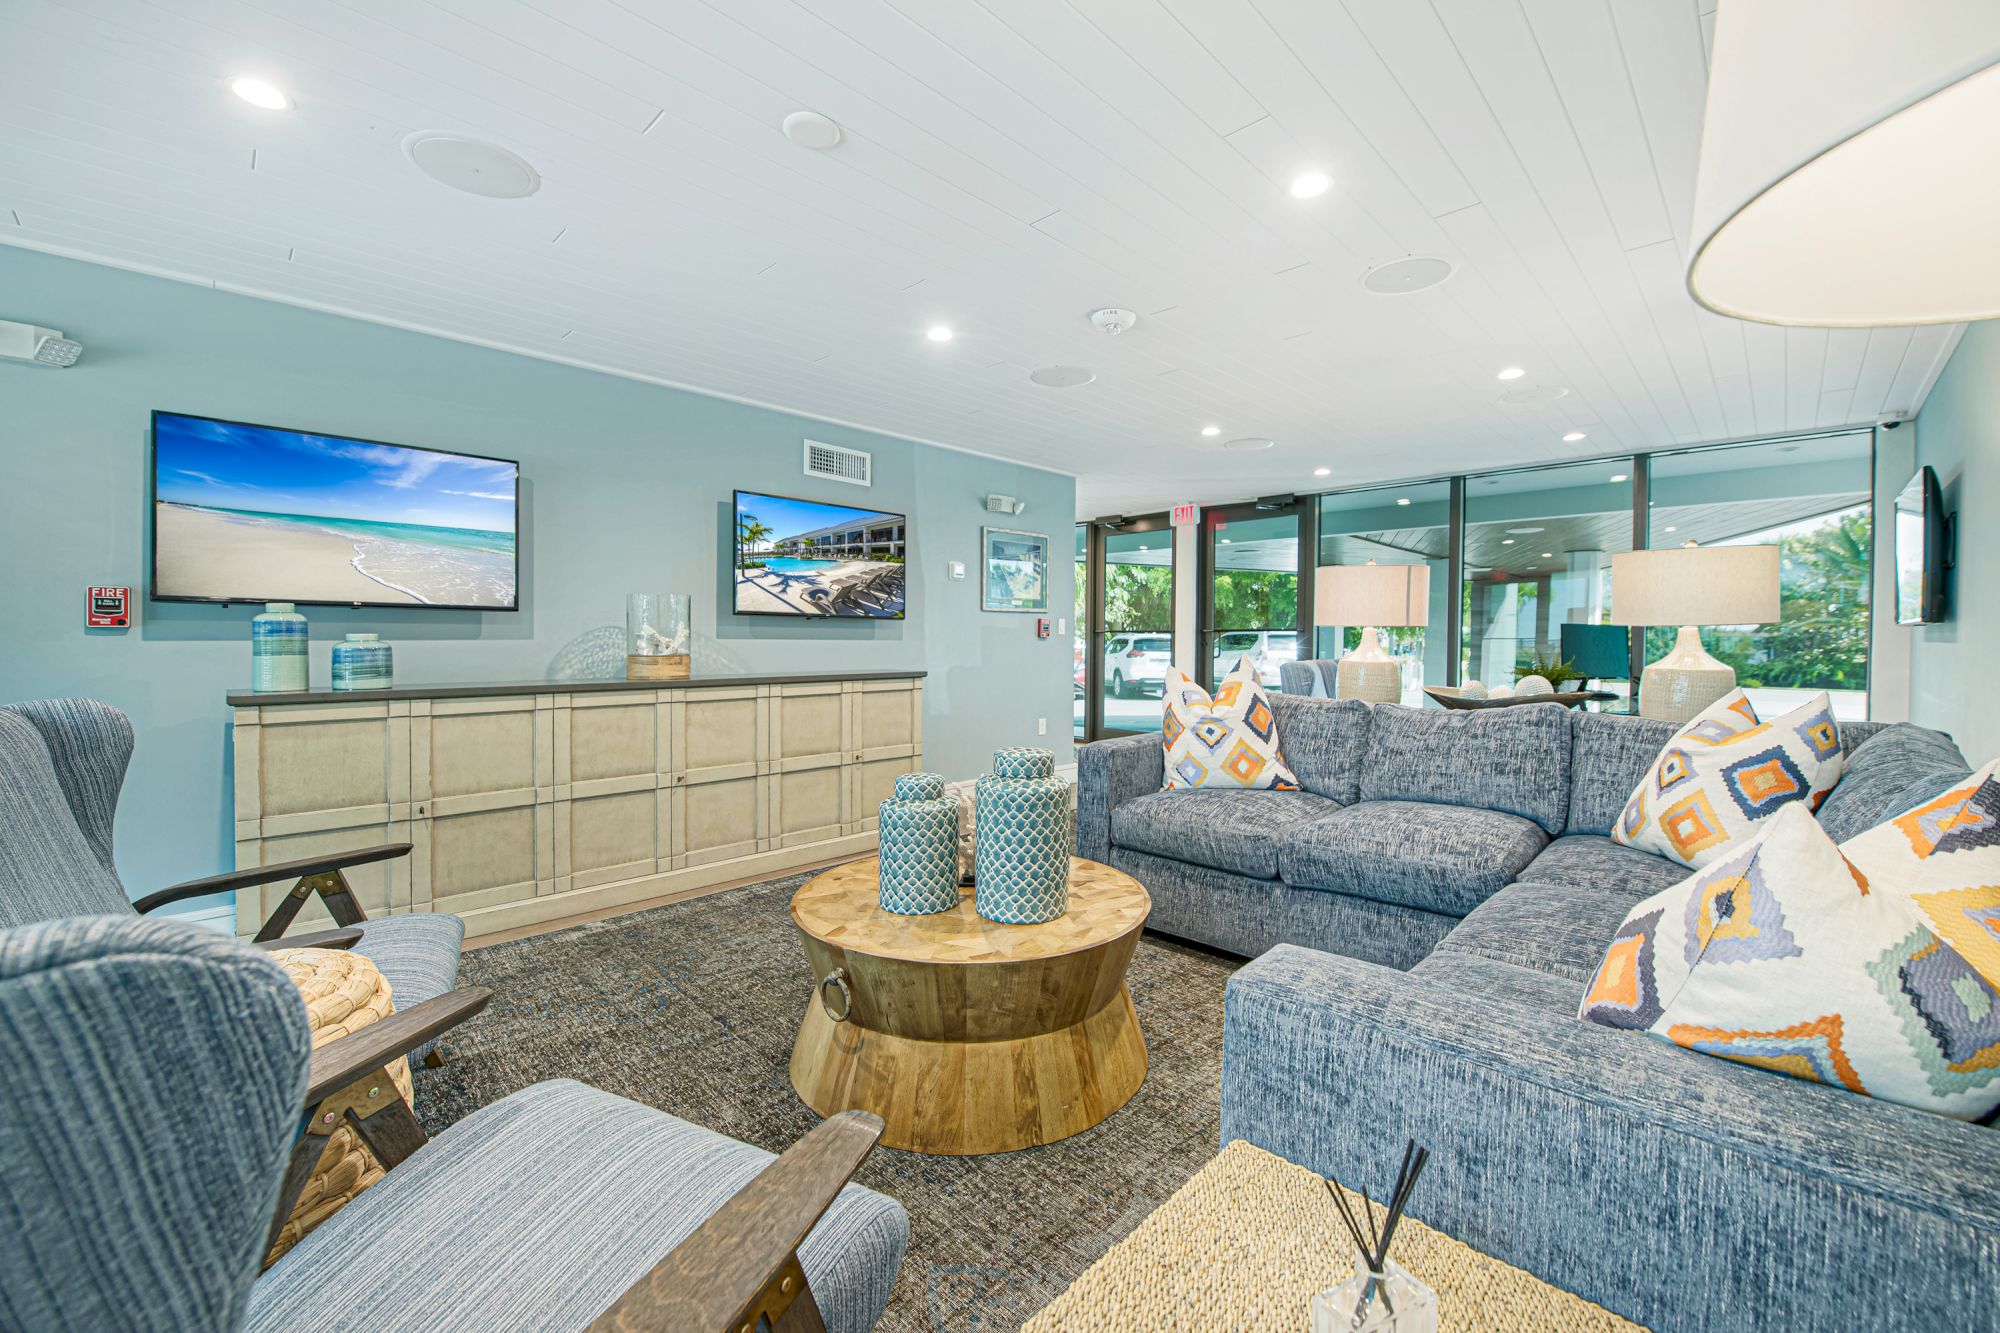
(537, 1212)
(1224, 830)
(1442, 858)
(1590, 861)
(1559, 929)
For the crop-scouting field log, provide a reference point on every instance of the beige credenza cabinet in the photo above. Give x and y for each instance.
(525, 803)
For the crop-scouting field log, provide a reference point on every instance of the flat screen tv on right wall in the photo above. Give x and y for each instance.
(818, 560)
(1923, 550)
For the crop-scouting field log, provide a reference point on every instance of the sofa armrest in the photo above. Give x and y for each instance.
(1677, 1189)
(1109, 773)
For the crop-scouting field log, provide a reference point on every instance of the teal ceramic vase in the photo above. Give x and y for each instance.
(918, 839)
(1021, 864)
(363, 662)
(278, 641)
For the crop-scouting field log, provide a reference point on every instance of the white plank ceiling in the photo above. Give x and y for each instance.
(1008, 166)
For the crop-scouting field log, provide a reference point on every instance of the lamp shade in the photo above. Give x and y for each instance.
(1372, 594)
(1848, 174)
(1695, 585)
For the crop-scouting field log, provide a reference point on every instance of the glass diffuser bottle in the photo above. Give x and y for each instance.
(657, 635)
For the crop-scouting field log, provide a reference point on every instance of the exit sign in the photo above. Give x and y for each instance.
(1186, 516)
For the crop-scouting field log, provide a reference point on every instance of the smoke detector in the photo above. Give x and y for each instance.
(1113, 320)
(25, 342)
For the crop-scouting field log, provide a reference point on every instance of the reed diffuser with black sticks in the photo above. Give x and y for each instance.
(1381, 1296)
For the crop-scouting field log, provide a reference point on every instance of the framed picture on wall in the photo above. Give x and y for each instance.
(1014, 571)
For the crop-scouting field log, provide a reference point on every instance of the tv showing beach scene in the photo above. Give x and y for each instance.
(808, 558)
(246, 513)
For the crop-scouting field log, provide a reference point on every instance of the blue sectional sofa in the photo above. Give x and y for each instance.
(1428, 911)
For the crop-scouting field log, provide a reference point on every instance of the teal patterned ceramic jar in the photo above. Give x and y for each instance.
(364, 662)
(918, 838)
(1021, 865)
(278, 643)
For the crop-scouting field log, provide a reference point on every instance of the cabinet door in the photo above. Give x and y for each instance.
(322, 778)
(807, 792)
(885, 739)
(718, 745)
(611, 820)
(483, 777)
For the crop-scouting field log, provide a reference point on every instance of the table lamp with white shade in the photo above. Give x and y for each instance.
(1692, 586)
(1370, 595)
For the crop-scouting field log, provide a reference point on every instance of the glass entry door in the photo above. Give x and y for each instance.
(1131, 568)
(1255, 590)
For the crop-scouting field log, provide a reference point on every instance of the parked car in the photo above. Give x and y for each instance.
(1267, 649)
(1079, 669)
(1136, 664)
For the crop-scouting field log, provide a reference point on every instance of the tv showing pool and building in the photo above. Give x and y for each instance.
(245, 513)
(809, 558)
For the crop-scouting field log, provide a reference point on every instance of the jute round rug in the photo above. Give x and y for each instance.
(692, 1008)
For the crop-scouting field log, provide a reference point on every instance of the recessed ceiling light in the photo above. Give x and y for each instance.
(1144, 547)
(1225, 541)
(809, 129)
(1506, 541)
(1322, 472)
(1249, 442)
(1512, 373)
(1673, 529)
(1309, 183)
(939, 333)
(259, 93)
(1524, 532)
(1402, 499)
(470, 165)
(1211, 430)
(1062, 377)
(1401, 276)
(1619, 476)
(1573, 437)
(1548, 555)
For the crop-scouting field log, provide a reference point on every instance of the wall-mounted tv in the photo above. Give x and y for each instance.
(810, 558)
(1923, 550)
(245, 513)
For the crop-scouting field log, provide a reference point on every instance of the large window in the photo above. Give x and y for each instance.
(1812, 500)
(1138, 638)
(1250, 607)
(1081, 724)
(1393, 525)
(1538, 548)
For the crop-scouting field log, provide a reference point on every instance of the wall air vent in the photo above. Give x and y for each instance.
(833, 462)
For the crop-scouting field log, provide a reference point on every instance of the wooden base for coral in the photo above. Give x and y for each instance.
(967, 1036)
(673, 666)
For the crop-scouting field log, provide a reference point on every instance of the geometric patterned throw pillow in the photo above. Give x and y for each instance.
(1726, 772)
(1831, 963)
(1229, 740)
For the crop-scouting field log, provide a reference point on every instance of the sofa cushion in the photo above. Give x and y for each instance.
(1728, 772)
(1326, 743)
(1506, 983)
(1560, 929)
(1590, 861)
(1609, 756)
(1898, 768)
(1514, 760)
(1442, 858)
(1226, 830)
(1228, 739)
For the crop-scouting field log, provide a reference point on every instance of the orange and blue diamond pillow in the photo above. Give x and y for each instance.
(1872, 966)
(1726, 772)
(1227, 740)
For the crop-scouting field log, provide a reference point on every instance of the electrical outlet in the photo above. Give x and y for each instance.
(1041, 726)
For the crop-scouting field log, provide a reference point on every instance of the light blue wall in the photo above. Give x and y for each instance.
(625, 486)
(1953, 666)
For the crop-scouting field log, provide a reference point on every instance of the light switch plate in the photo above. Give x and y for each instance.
(955, 569)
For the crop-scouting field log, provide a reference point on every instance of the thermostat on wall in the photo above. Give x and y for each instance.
(108, 608)
(954, 569)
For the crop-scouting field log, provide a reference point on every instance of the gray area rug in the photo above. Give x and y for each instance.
(692, 1007)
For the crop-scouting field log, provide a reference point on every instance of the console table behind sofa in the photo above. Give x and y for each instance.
(528, 802)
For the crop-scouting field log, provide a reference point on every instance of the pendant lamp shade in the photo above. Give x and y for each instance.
(1848, 174)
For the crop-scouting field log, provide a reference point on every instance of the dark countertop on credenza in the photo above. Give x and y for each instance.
(249, 699)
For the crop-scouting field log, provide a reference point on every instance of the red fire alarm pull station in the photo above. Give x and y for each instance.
(108, 608)
(1042, 628)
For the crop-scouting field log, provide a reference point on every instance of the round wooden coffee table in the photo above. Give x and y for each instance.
(964, 1035)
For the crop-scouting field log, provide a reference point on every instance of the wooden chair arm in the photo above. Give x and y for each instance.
(346, 937)
(339, 1063)
(741, 1265)
(231, 880)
